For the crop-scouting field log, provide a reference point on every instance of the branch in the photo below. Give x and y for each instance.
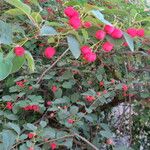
(50, 67)
(53, 140)
(85, 140)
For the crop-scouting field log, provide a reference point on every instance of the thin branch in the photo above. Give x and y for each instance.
(85, 140)
(53, 140)
(50, 67)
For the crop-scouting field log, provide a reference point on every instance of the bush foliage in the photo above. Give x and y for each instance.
(64, 65)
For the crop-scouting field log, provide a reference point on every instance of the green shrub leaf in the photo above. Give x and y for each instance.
(74, 46)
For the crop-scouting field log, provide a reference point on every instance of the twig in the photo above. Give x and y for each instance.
(63, 137)
(50, 67)
(85, 140)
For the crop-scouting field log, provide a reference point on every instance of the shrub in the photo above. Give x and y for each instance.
(64, 65)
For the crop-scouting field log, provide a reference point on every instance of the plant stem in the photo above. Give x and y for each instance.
(50, 67)
(85, 140)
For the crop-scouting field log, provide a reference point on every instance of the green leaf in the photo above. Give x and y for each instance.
(5, 69)
(20, 5)
(74, 110)
(31, 127)
(48, 31)
(58, 93)
(67, 85)
(5, 28)
(37, 17)
(74, 46)
(30, 61)
(1, 57)
(14, 12)
(100, 16)
(106, 134)
(10, 56)
(60, 101)
(17, 63)
(130, 41)
(43, 124)
(11, 116)
(14, 127)
(8, 139)
(48, 133)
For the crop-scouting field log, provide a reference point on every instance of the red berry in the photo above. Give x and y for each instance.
(35, 107)
(30, 87)
(49, 52)
(101, 83)
(108, 29)
(49, 103)
(90, 57)
(9, 105)
(31, 148)
(100, 34)
(90, 98)
(54, 88)
(107, 46)
(109, 142)
(125, 44)
(53, 146)
(75, 22)
(71, 12)
(117, 33)
(85, 49)
(124, 87)
(105, 92)
(87, 24)
(140, 32)
(132, 32)
(31, 135)
(19, 51)
(70, 121)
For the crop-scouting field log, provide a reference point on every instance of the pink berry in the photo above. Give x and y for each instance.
(117, 33)
(71, 12)
(108, 29)
(75, 22)
(100, 34)
(85, 49)
(19, 51)
(132, 32)
(107, 46)
(87, 24)
(140, 32)
(49, 52)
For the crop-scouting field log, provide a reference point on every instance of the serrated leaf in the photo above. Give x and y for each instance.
(11, 116)
(31, 127)
(15, 127)
(129, 40)
(73, 110)
(48, 31)
(74, 46)
(8, 139)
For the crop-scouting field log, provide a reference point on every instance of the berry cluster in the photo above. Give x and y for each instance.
(74, 17)
(32, 108)
(9, 105)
